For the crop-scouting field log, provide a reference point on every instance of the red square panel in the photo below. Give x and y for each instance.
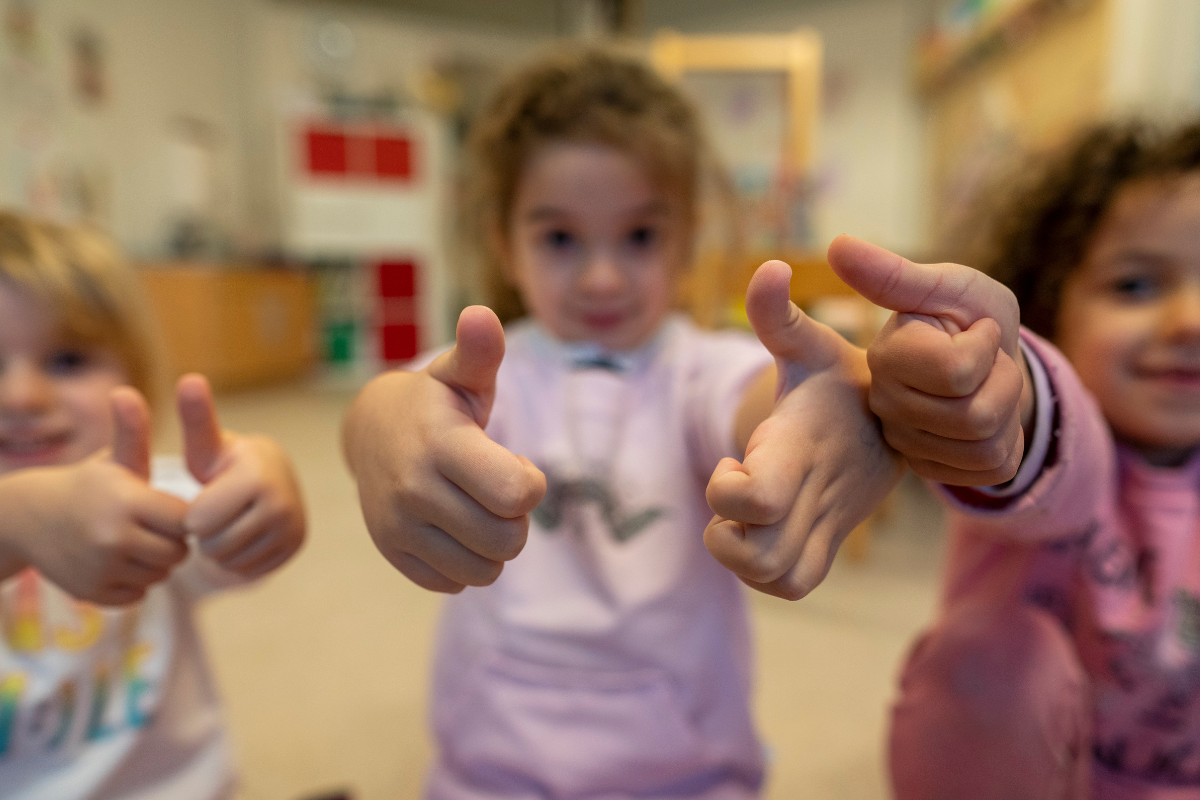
(397, 279)
(360, 155)
(326, 152)
(393, 158)
(398, 342)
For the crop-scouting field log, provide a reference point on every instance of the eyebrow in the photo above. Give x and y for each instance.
(541, 213)
(1147, 255)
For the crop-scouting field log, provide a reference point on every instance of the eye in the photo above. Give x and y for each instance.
(559, 239)
(1135, 287)
(67, 361)
(645, 236)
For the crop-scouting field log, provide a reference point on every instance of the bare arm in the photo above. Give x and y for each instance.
(22, 494)
(757, 402)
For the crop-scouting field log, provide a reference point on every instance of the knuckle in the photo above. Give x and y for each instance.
(991, 455)
(959, 374)
(982, 421)
(765, 566)
(792, 588)
(409, 487)
(515, 496)
(485, 574)
(511, 540)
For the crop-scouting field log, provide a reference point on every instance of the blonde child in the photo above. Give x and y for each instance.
(104, 689)
(559, 467)
(1066, 663)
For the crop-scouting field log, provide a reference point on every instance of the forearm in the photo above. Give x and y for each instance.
(23, 506)
(359, 426)
(756, 405)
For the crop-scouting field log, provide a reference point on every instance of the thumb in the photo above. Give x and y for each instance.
(470, 366)
(203, 443)
(786, 331)
(957, 296)
(131, 431)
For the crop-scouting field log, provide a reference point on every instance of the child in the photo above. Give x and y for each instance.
(612, 658)
(1067, 660)
(115, 701)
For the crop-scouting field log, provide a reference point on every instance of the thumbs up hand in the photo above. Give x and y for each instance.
(444, 504)
(814, 468)
(96, 528)
(948, 380)
(249, 517)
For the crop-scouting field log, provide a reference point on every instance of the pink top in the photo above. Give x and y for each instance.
(612, 657)
(1108, 544)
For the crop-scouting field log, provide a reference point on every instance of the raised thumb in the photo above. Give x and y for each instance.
(203, 443)
(131, 431)
(786, 331)
(470, 366)
(950, 292)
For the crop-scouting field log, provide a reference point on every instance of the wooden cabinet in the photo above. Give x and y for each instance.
(239, 326)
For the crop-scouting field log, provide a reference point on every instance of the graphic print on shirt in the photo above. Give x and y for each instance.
(70, 672)
(563, 495)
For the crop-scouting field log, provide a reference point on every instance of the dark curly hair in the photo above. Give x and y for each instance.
(581, 96)
(1046, 227)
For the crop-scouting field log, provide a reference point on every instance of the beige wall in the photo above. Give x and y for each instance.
(870, 143)
(164, 59)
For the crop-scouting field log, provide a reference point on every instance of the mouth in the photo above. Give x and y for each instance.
(1180, 377)
(29, 450)
(603, 320)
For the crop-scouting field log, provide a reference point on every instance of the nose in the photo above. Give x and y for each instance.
(602, 276)
(24, 390)
(1183, 313)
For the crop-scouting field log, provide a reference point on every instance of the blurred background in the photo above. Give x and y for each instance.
(286, 174)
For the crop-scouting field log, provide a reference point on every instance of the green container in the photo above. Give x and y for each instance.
(340, 339)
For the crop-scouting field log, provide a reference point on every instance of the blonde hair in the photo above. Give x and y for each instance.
(588, 97)
(78, 272)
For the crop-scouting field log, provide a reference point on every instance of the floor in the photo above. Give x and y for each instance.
(324, 665)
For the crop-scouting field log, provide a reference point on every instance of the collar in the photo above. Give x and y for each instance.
(589, 355)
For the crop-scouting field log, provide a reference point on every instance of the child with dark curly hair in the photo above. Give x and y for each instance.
(1066, 663)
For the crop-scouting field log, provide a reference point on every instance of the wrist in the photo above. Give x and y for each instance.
(24, 498)
(1028, 398)
(357, 425)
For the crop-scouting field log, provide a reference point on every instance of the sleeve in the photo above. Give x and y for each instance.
(725, 365)
(1071, 461)
(197, 576)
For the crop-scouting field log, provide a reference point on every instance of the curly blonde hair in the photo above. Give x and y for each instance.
(79, 273)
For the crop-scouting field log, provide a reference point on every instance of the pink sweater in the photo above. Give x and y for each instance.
(1107, 544)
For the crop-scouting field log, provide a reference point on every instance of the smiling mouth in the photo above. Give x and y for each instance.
(33, 450)
(1173, 375)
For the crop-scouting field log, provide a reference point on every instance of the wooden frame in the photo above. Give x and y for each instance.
(798, 55)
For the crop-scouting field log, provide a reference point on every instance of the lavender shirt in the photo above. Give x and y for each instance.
(612, 658)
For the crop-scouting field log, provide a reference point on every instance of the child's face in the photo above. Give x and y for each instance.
(1130, 318)
(54, 406)
(593, 246)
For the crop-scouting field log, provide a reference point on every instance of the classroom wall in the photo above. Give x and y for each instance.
(231, 68)
(392, 53)
(164, 61)
(870, 155)
(1155, 63)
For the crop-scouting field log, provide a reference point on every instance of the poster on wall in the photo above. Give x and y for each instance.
(41, 171)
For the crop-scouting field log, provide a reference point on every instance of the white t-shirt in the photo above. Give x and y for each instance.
(104, 703)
